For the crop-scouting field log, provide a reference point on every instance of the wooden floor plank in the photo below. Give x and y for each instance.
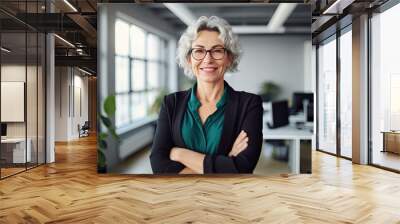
(70, 191)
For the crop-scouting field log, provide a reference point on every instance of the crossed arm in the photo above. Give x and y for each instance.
(193, 161)
(167, 158)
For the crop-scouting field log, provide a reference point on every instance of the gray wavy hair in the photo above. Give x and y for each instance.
(213, 23)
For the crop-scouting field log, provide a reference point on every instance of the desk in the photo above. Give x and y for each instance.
(391, 141)
(17, 150)
(292, 134)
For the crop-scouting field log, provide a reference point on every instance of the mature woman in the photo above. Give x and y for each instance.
(210, 128)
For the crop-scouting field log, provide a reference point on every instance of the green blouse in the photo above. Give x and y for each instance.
(204, 139)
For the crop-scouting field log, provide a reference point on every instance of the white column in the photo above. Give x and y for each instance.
(50, 99)
(360, 90)
(50, 92)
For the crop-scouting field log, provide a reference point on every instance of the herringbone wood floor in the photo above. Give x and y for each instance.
(70, 191)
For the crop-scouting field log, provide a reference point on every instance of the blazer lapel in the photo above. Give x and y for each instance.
(230, 114)
(181, 106)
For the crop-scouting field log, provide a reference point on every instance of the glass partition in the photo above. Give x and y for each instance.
(41, 91)
(31, 98)
(346, 93)
(327, 96)
(13, 104)
(385, 89)
(22, 88)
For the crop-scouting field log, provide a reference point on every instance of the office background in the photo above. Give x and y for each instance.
(143, 65)
(358, 85)
(22, 98)
(345, 189)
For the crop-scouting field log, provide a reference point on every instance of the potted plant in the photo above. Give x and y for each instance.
(269, 91)
(155, 107)
(105, 119)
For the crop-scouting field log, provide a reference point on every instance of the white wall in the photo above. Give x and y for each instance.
(309, 73)
(33, 125)
(12, 73)
(70, 83)
(15, 72)
(277, 58)
(61, 103)
(82, 82)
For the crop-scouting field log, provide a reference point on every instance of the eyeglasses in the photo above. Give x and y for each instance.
(200, 53)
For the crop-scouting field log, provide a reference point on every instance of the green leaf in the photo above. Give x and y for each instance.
(113, 133)
(103, 144)
(101, 158)
(109, 105)
(103, 136)
(106, 121)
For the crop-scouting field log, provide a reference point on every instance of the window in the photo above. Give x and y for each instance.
(140, 72)
(346, 94)
(327, 96)
(385, 88)
(335, 107)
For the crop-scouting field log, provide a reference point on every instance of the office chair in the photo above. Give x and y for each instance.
(84, 130)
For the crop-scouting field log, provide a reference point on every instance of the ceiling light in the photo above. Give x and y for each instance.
(70, 5)
(182, 12)
(84, 71)
(338, 6)
(280, 16)
(258, 29)
(64, 40)
(5, 50)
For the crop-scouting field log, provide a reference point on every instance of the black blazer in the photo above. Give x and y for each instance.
(243, 111)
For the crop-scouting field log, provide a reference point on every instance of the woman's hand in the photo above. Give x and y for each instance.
(240, 144)
(174, 154)
(190, 159)
(187, 170)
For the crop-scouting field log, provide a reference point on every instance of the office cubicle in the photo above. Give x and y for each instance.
(22, 77)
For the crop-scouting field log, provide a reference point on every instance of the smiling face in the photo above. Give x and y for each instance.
(209, 69)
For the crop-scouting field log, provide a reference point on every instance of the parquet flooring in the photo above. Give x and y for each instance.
(70, 191)
(387, 159)
(10, 171)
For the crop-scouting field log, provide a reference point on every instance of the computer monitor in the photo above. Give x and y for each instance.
(310, 112)
(280, 114)
(3, 129)
(298, 98)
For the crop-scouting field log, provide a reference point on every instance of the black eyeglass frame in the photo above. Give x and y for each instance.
(191, 53)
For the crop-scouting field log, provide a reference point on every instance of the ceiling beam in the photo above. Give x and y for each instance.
(64, 41)
(320, 23)
(280, 16)
(81, 61)
(182, 12)
(84, 24)
(262, 29)
(275, 25)
(337, 7)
